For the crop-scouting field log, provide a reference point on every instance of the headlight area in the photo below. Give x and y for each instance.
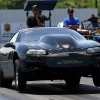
(93, 50)
(34, 58)
(36, 52)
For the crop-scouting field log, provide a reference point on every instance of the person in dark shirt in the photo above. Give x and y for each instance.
(93, 19)
(35, 20)
(44, 17)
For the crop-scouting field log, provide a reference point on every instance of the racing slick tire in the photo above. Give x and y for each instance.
(73, 81)
(4, 82)
(96, 77)
(20, 81)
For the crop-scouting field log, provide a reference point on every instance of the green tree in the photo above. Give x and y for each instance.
(78, 4)
(19, 4)
(12, 4)
(16, 4)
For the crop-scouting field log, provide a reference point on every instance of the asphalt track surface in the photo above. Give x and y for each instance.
(52, 90)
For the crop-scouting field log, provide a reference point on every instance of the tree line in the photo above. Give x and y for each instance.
(12, 4)
(19, 4)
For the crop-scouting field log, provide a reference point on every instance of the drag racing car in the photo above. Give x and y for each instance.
(48, 53)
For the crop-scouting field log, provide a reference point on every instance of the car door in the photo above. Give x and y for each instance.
(6, 63)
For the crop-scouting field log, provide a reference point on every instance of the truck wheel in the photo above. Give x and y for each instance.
(4, 82)
(96, 77)
(73, 81)
(20, 81)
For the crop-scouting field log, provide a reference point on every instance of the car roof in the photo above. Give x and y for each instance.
(41, 28)
(60, 24)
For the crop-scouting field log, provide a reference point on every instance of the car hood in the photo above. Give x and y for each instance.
(87, 44)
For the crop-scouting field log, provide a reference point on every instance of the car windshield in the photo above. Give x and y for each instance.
(36, 34)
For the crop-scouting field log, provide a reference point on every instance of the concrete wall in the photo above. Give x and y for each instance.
(13, 16)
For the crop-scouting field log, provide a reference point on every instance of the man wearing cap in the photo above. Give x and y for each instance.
(35, 20)
(71, 21)
(93, 19)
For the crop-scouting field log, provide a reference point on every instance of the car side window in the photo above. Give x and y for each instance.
(13, 39)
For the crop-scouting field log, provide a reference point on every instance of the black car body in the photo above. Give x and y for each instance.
(49, 54)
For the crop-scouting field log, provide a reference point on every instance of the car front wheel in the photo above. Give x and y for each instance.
(20, 81)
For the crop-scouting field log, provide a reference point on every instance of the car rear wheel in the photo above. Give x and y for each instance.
(1, 79)
(8, 83)
(96, 77)
(4, 82)
(73, 81)
(20, 80)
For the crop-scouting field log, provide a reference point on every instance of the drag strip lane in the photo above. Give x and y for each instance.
(55, 90)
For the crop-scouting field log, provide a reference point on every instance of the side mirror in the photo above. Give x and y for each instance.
(9, 44)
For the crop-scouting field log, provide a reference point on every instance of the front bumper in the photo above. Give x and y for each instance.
(63, 60)
(50, 67)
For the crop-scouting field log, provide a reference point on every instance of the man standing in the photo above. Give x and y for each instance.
(44, 17)
(93, 19)
(35, 20)
(71, 21)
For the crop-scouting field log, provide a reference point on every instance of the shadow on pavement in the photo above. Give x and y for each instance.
(59, 89)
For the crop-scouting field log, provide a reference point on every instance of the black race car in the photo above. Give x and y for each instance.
(49, 54)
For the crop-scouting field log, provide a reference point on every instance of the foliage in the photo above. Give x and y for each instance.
(12, 4)
(19, 4)
(78, 4)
